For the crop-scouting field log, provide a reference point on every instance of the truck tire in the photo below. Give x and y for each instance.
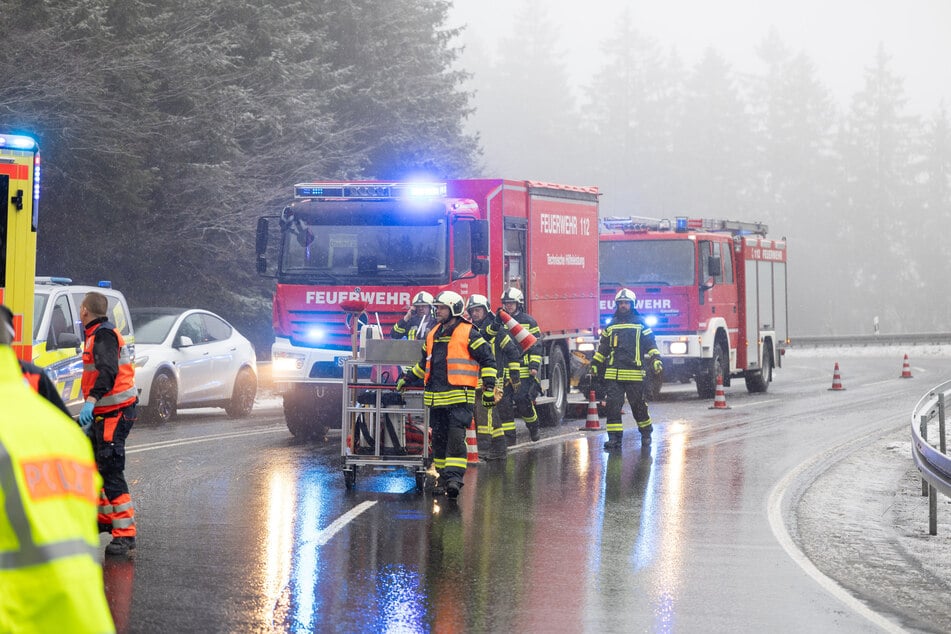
(310, 411)
(552, 414)
(163, 400)
(713, 367)
(757, 381)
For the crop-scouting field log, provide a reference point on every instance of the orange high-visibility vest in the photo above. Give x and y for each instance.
(123, 392)
(461, 368)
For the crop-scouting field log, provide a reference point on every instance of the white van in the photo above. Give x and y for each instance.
(58, 331)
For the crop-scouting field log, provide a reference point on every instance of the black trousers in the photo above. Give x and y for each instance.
(109, 433)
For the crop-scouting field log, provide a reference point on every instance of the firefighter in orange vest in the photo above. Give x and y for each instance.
(34, 374)
(108, 386)
(454, 357)
(50, 577)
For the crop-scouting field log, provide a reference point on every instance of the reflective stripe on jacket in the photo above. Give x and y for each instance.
(50, 575)
(123, 392)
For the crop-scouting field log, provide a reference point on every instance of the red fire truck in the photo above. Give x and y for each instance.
(379, 243)
(713, 292)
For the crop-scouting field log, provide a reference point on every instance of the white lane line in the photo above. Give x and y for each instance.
(755, 403)
(191, 441)
(785, 540)
(324, 536)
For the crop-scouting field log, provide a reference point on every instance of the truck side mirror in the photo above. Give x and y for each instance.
(480, 239)
(480, 266)
(260, 246)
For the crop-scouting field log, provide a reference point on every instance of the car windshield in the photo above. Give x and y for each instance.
(153, 326)
(646, 262)
(39, 306)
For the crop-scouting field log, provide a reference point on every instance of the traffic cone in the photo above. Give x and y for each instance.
(719, 402)
(472, 444)
(592, 423)
(906, 369)
(836, 379)
(521, 335)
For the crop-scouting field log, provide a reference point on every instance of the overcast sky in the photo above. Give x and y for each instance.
(841, 36)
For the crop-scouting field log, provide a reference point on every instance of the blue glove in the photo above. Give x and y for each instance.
(85, 416)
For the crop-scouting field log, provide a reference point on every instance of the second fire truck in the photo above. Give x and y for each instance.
(712, 291)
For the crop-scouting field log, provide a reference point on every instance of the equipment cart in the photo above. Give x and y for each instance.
(380, 427)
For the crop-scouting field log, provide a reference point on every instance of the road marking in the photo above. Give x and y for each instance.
(324, 536)
(191, 441)
(754, 404)
(774, 508)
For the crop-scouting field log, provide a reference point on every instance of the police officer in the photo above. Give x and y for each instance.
(50, 577)
(522, 386)
(108, 385)
(450, 371)
(625, 353)
(417, 320)
(34, 374)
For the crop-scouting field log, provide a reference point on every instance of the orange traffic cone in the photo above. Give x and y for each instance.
(472, 444)
(836, 379)
(719, 402)
(906, 369)
(592, 423)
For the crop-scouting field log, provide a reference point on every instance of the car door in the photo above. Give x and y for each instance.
(58, 348)
(223, 348)
(194, 360)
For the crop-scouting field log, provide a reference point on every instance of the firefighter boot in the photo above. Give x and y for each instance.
(498, 449)
(121, 546)
(439, 486)
(533, 431)
(646, 434)
(614, 440)
(452, 489)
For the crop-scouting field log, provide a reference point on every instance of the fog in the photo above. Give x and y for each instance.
(826, 120)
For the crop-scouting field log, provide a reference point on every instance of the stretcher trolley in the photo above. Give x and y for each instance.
(381, 428)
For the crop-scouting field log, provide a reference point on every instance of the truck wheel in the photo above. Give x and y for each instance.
(552, 414)
(242, 397)
(759, 380)
(707, 379)
(163, 400)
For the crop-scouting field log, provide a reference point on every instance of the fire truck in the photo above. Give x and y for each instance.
(713, 292)
(380, 243)
(19, 212)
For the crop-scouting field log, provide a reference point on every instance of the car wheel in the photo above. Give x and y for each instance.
(163, 400)
(242, 398)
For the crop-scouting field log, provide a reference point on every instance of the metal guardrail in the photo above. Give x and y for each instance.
(913, 339)
(933, 462)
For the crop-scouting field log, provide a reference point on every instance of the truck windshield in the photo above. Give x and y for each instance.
(363, 248)
(646, 262)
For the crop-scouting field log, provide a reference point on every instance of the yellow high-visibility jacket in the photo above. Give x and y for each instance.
(50, 575)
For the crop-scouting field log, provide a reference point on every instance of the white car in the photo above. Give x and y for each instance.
(191, 358)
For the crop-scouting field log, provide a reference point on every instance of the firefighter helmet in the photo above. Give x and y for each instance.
(422, 298)
(513, 295)
(478, 301)
(625, 295)
(451, 299)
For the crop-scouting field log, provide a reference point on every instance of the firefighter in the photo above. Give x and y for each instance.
(108, 385)
(626, 348)
(417, 320)
(481, 316)
(522, 385)
(34, 374)
(50, 575)
(449, 370)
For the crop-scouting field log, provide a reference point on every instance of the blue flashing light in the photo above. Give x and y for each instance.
(681, 224)
(104, 284)
(651, 320)
(426, 190)
(17, 142)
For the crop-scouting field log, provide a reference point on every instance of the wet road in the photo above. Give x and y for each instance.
(241, 529)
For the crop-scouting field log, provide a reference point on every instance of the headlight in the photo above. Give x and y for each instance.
(678, 347)
(286, 362)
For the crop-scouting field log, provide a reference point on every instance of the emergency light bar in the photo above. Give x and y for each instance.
(369, 191)
(17, 142)
(683, 224)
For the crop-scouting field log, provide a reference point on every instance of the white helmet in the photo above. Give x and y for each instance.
(478, 301)
(422, 298)
(451, 299)
(625, 295)
(513, 295)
